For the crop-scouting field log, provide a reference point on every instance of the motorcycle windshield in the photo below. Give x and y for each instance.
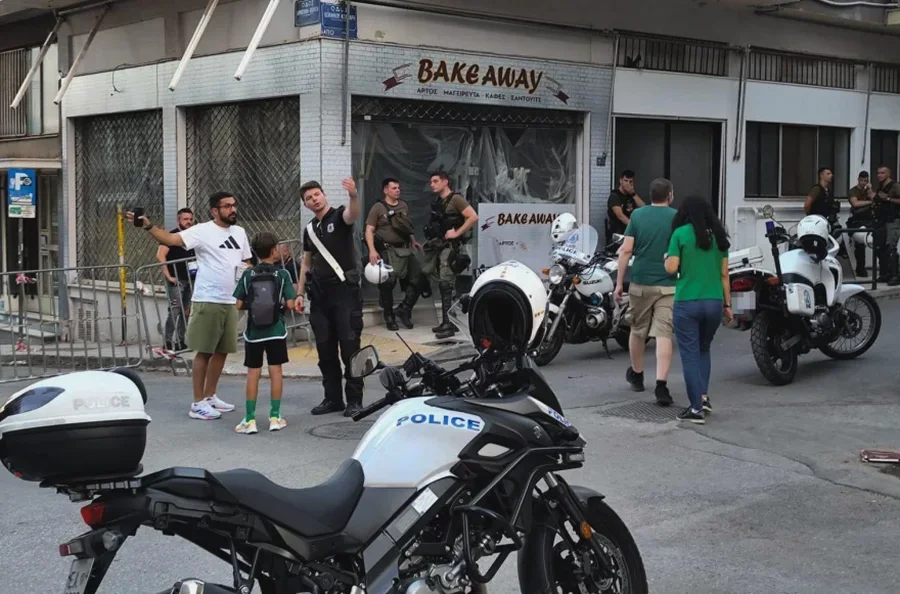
(460, 320)
(580, 246)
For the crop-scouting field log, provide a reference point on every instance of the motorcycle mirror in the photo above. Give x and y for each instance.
(767, 211)
(364, 362)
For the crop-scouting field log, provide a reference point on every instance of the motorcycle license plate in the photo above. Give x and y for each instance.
(744, 301)
(79, 574)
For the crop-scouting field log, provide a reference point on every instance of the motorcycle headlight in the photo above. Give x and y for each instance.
(557, 274)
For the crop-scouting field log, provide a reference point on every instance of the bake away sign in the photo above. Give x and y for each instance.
(475, 75)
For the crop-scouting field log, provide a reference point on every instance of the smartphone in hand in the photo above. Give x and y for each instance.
(138, 215)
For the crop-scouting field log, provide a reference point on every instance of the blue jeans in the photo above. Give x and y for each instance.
(696, 323)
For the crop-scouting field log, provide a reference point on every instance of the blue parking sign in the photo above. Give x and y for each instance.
(22, 193)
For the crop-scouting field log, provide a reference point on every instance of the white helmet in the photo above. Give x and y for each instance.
(563, 227)
(506, 307)
(378, 273)
(812, 232)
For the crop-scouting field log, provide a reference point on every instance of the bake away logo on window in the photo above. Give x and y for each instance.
(463, 73)
(520, 218)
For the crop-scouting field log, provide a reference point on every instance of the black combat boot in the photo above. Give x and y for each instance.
(404, 312)
(445, 329)
(387, 302)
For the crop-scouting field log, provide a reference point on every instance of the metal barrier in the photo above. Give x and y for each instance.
(68, 319)
(165, 307)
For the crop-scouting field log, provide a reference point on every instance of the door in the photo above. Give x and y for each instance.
(48, 223)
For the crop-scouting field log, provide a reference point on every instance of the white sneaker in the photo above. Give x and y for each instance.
(246, 427)
(277, 424)
(218, 404)
(204, 411)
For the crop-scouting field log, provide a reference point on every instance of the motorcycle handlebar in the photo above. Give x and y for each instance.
(372, 408)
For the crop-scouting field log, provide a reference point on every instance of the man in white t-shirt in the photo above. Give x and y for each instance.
(222, 251)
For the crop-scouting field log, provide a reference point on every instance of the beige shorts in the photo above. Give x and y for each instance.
(650, 310)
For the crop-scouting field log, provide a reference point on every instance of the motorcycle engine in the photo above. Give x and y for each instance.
(596, 317)
(822, 324)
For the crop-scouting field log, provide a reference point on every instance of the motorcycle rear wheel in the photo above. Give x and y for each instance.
(777, 367)
(545, 566)
(869, 303)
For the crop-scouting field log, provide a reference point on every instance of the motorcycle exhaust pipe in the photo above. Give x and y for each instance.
(596, 319)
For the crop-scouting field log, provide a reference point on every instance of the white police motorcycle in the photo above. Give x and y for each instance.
(804, 304)
(454, 477)
(581, 282)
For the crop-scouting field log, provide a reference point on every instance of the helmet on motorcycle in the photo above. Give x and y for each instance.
(506, 308)
(563, 227)
(812, 233)
(378, 273)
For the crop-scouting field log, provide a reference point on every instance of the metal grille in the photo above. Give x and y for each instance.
(435, 112)
(886, 79)
(673, 55)
(647, 412)
(251, 149)
(13, 68)
(802, 70)
(343, 430)
(118, 160)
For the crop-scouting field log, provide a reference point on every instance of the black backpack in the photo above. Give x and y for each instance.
(264, 299)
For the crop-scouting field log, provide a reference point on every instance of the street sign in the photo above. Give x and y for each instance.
(307, 12)
(333, 21)
(22, 200)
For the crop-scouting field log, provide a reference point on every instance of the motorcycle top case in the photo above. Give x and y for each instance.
(800, 299)
(88, 424)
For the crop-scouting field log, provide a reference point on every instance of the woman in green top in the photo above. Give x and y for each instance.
(698, 252)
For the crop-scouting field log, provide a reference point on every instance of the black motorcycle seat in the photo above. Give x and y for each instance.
(314, 511)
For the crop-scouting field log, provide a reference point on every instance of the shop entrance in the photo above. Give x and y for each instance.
(41, 244)
(493, 154)
(687, 152)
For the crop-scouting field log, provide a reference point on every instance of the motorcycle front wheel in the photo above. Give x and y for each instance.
(549, 564)
(549, 349)
(861, 330)
(777, 366)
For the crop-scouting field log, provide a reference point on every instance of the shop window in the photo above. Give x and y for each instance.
(883, 151)
(251, 149)
(782, 160)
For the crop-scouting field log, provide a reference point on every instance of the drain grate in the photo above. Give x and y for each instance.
(648, 412)
(345, 430)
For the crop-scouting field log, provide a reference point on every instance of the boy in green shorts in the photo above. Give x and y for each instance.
(264, 292)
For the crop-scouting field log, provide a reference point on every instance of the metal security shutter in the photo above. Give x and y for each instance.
(118, 159)
(380, 109)
(251, 149)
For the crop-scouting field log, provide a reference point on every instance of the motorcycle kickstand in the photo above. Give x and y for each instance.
(606, 349)
(242, 586)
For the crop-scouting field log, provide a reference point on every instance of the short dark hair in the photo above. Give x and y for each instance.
(388, 181)
(823, 170)
(441, 174)
(863, 174)
(886, 167)
(184, 211)
(263, 244)
(310, 185)
(218, 197)
(660, 189)
(627, 173)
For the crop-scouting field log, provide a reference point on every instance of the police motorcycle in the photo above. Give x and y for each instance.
(804, 304)
(581, 306)
(455, 475)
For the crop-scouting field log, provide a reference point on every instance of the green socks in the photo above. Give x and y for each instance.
(276, 410)
(251, 410)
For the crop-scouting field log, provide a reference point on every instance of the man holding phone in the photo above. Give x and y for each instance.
(223, 252)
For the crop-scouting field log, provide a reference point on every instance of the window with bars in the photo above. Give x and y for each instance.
(118, 160)
(251, 149)
(770, 66)
(886, 78)
(673, 55)
(782, 160)
(13, 69)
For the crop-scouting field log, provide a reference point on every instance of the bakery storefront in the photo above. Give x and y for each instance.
(509, 133)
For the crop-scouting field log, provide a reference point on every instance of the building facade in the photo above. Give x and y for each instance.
(531, 110)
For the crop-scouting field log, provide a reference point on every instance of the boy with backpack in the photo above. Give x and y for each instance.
(265, 291)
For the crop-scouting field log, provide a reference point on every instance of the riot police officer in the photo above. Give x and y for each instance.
(452, 217)
(390, 237)
(862, 216)
(887, 203)
(330, 274)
